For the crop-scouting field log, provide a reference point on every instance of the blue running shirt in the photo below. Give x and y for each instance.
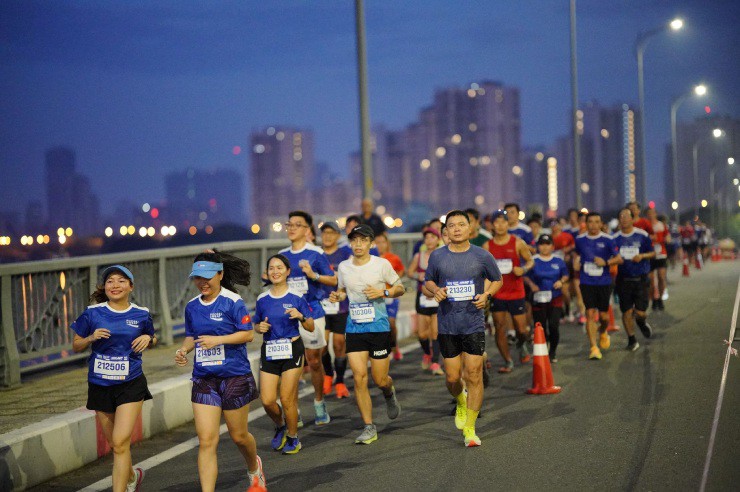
(523, 232)
(335, 259)
(113, 361)
(310, 289)
(225, 315)
(589, 247)
(365, 315)
(273, 308)
(464, 274)
(545, 273)
(629, 246)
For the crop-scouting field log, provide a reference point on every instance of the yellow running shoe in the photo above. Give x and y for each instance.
(461, 412)
(595, 354)
(471, 440)
(605, 341)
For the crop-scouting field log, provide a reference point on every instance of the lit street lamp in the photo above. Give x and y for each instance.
(712, 197)
(640, 45)
(698, 90)
(716, 133)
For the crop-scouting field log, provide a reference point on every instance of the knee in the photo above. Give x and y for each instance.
(240, 437)
(208, 441)
(360, 379)
(269, 400)
(314, 362)
(473, 377)
(121, 444)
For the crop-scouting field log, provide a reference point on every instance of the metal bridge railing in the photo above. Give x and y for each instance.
(40, 300)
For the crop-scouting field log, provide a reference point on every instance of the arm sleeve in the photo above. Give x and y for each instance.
(241, 317)
(647, 245)
(189, 331)
(257, 312)
(304, 308)
(389, 274)
(147, 328)
(323, 267)
(340, 277)
(563, 270)
(83, 325)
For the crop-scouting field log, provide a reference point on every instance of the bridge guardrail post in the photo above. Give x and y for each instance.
(165, 324)
(11, 365)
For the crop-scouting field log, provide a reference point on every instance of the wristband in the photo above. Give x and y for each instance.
(316, 278)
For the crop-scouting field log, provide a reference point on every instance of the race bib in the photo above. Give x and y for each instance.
(426, 302)
(658, 248)
(463, 290)
(505, 265)
(543, 296)
(279, 349)
(629, 252)
(298, 284)
(214, 356)
(109, 367)
(330, 307)
(362, 312)
(592, 269)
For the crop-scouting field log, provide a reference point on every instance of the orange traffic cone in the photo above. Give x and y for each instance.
(256, 487)
(715, 254)
(685, 265)
(612, 323)
(542, 381)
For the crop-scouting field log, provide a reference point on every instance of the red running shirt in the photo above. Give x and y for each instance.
(506, 259)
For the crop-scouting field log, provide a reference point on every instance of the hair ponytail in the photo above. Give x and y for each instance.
(236, 270)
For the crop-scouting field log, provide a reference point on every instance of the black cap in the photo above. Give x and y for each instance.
(330, 224)
(498, 213)
(361, 230)
(545, 239)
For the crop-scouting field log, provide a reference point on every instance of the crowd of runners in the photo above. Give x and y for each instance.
(475, 275)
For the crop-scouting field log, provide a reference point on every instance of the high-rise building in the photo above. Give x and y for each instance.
(610, 166)
(696, 139)
(282, 165)
(201, 198)
(69, 198)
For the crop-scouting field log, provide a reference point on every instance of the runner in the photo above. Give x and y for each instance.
(688, 241)
(478, 235)
(419, 245)
(426, 307)
(596, 252)
(632, 286)
(659, 264)
(546, 279)
(509, 250)
(574, 222)
(277, 316)
(516, 227)
(218, 327)
(118, 332)
(383, 243)
(363, 280)
(535, 225)
(309, 272)
(457, 275)
(640, 222)
(336, 315)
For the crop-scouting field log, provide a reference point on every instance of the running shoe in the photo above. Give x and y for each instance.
(300, 419)
(595, 353)
(507, 367)
(461, 412)
(322, 416)
(292, 446)
(553, 359)
(632, 346)
(134, 485)
(397, 355)
(605, 341)
(279, 440)
(524, 356)
(582, 320)
(426, 361)
(436, 369)
(570, 318)
(328, 382)
(369, 435)
(511, 337)
(471, 440)
(342, 391)
(392, 405)
(259, 476)
(646, 330)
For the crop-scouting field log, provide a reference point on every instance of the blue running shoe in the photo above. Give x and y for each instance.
(279, 440)
(322, 416)
(292, 445)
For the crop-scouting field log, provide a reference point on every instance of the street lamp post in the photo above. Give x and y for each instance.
(574, 97)
(699, 90)
(716, 133)
(640, 45)
(712, 173)
(365, 149)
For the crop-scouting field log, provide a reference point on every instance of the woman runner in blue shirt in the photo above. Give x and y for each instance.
(118, 332)
(277, 315)
(218, 327)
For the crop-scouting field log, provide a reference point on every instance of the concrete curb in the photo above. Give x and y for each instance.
(39, 452)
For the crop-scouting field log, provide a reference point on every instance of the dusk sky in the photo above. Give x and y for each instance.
(142, 88)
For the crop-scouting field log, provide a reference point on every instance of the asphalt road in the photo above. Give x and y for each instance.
(632, 421)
